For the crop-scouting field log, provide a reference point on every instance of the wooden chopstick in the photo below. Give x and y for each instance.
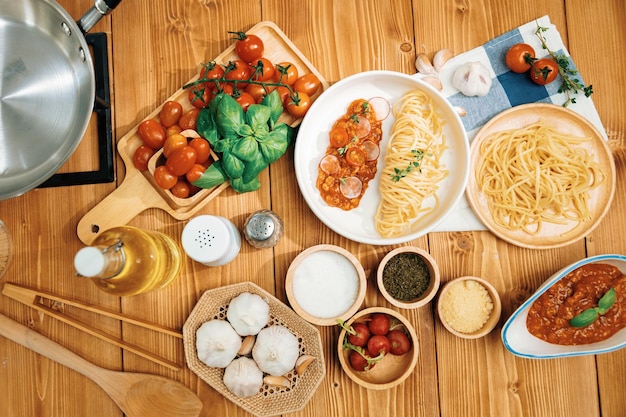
(34, 299)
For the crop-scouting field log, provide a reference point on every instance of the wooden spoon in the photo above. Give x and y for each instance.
(136, 394)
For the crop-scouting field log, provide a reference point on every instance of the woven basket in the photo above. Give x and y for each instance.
(270, 400)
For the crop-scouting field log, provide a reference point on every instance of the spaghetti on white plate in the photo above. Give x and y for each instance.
(536, 175)
(412, 164)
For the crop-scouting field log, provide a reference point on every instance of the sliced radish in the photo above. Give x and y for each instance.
(363, 127)
(381, 107)
(330, 164)
(351, 187)
(371, 150)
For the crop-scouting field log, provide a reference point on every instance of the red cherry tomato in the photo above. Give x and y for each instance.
(245, 100)
(152, 133)
(299, 104)
(189, 119)
(199, 96)
(355, 156)
(141, 157)
(379, 324)
(519, 57)
(164, 178)
(181, 189)
(283, 93)
(248, 47)
(172, 143)
(308, 83)
(286, 73)
(211, 71)
(195, 173)
(238, 70)
(262, 69)
(362, 334)
(181, 160)
(172, 130)
(378, 344)
(257, 91)
(544, 71)
(400, 343)
(170, 113)
(203, 149)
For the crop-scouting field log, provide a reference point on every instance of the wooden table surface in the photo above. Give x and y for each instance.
(155, 47)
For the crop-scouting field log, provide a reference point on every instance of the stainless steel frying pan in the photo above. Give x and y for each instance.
(47, 89)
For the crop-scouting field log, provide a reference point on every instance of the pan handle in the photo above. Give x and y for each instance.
(100, 9)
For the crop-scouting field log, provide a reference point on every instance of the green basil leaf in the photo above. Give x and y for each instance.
(229, 117)
(243, 187)
(253, 169)
(275, 145)
(223, 145)
(213, 176)
(206, 126)
(233, 166)
(273, 101)
(607, 300)
(246, 149)
(258, 116)
(585, 318)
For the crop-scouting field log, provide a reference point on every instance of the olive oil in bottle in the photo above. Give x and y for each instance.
(128, 261)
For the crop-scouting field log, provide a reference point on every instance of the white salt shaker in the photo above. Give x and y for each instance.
(211, 240)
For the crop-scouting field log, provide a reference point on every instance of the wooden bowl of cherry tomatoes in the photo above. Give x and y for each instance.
(378, 348)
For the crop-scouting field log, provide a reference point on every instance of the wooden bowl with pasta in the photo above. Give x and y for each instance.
(541, 176)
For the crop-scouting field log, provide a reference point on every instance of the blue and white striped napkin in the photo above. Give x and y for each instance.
(508, 89)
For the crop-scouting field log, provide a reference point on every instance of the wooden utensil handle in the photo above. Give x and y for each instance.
(42, 345)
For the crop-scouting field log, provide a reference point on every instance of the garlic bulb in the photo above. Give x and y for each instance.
(243, 377)
(248, 313)
(217, 343)
(276, 350)
(472, 79)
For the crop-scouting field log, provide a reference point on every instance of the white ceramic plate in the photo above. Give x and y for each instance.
(312, 141)
(518, 340)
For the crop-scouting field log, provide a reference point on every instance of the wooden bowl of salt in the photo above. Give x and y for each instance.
(325, 283)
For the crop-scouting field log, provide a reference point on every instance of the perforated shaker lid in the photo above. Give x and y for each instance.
(210, 240)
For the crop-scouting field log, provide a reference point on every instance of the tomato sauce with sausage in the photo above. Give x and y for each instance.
(351, 157)
(548, 317)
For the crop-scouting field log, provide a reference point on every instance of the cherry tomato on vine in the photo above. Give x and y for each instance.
(181, 160)
(544, 71)
(181, 189)
(189, 119)
(199, 96)
(245, 100)
(308, 83)
(286, 73)
(284, 94)
(339, 137)
(257, 91)
(195, 172)
(164, 178)
(203, 149)
(299, 104)
(211, 70)
(262, 69)
(172, 143)
(248, 47)
(152, 133)
(238, 70)
(355, 156)
(520, 57)
(141, 157)
(170, 113)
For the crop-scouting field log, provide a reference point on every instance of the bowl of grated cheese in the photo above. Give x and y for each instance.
(469, 307)
(325, 283)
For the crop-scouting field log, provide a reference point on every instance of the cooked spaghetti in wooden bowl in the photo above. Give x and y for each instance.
(542, 176)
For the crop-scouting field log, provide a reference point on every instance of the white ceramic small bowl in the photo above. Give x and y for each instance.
(325, 283)
(520, 342)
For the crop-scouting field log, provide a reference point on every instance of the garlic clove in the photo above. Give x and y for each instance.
(423, 65)
(460, 111)
(441, 58)
(303, 362)
(472, 79)
(276, 381)
(246, 345)
(433, 81)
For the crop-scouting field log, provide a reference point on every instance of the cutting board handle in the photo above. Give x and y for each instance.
(118, 208)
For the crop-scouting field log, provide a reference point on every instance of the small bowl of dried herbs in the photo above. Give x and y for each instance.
(408, 277)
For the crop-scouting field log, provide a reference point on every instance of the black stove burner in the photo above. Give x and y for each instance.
(102, 109)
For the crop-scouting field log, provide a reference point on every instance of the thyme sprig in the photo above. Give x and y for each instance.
(571, 83)
(398, 173)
